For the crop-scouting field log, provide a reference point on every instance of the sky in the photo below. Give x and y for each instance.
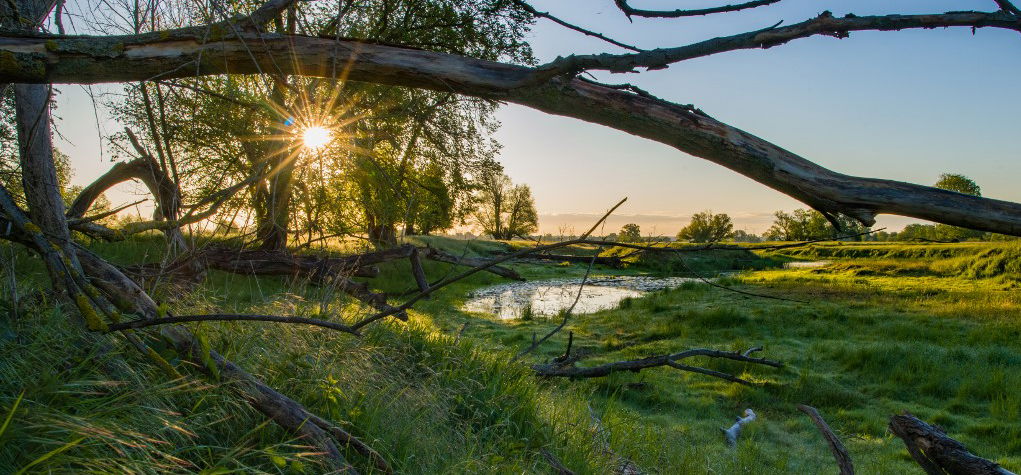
(903, 105)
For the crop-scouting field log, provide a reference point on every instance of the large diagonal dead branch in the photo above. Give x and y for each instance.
(132, 58)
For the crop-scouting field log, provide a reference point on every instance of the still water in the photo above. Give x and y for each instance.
(549, 297)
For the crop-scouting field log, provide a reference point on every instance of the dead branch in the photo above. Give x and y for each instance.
(538, 14)
(632, 12)
(555, 463)
(135, 324)
(177, 54)
(437, 255)
(825, 24)
(567, 314)
(672, 360)
(417, 271)
(936, 452)
(610, 261)
(839, 452)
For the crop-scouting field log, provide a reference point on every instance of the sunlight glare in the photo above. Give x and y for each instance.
(316, 137)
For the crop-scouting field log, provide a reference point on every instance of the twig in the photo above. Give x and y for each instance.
(528, 8)
(839, 452)
(567, 314)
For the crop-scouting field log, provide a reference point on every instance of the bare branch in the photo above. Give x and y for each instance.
(571, 371)
(567, 314)
(825, 24)
(630, 12)
(839, 452)
(135, 324)
(1007, 6)
(530, 9)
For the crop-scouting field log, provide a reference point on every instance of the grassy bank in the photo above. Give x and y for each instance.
(886, 328)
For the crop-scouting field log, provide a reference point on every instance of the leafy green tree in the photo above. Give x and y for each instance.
(960, 184)
(631, 232)
(399, 155)
(809, 224)
(743, 236)
(504, 210)
(707, 227)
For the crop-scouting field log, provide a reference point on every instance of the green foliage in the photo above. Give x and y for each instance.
(707, 227)
(630, 233)
(504, 210)
(400, 157)
(809, 224)
(958, 183)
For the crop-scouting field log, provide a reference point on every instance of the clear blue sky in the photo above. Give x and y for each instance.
(903, 105)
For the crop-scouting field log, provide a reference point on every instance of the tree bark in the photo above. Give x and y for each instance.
(937, 453)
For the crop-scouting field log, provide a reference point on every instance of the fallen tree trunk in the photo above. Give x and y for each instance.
(937, 453)
(185, 53)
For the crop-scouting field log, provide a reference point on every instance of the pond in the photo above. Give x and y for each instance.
(550, 297)
(805, 264)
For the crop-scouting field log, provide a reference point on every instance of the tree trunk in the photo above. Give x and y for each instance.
(39, 175)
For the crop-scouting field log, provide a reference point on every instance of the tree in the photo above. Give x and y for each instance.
(707, 227)
(805, 225)
(958, 183)
(505, 210)
(630, 233)
(742, 236)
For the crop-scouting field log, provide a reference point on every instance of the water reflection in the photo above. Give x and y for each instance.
(549, 297)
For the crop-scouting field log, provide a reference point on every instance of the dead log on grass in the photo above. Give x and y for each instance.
(936, 452)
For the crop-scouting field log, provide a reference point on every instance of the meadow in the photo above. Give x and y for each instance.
(928, 328)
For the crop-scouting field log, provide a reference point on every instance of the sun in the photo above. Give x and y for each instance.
(316, 137)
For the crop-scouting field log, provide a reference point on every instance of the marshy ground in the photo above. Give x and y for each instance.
(933, 329)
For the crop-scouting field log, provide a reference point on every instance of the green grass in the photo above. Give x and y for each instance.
(932, 329)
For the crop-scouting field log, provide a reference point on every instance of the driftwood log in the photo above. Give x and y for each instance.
(937, 453)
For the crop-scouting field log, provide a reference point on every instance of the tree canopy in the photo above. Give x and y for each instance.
(707, 227)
